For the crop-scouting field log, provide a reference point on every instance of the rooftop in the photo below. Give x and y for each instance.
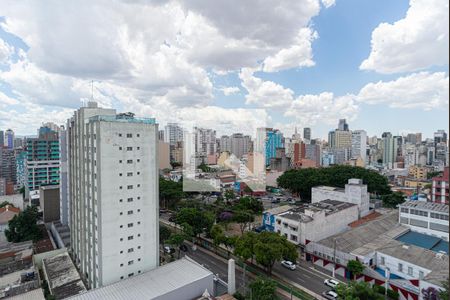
(36, 294)
(152, 284)
(123, 118)
(279, 209)
(7, 213)
(62, 276)
(424, 241)
(435, 207)
(329, 188)
(327, 206)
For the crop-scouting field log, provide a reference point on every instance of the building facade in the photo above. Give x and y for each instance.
(359, 144)
(113, 187)
(440, 188)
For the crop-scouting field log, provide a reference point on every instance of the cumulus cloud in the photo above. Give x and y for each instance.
(416, 42)
(230, 90)
(328, 3)
(422, 90)
(324, 107)
(297, 55)
(261, 93)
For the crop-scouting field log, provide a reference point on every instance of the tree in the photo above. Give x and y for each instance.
(443, 294)
(4, 203)
(164, 234)
(245, 246)
(392, 200)
(430, 175)
(176, 239)
(250, 203)
(355, 267)
(301, 181)
(175, 164)
(200, 221)
(170, 192)
(244, 218)
(229, 195)
(263, 289)
(23, 227)
(271, 247)
(356, 290)
(217, 234)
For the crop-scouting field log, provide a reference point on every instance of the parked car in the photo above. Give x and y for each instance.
(169, 250)
(183, 248)
(172, 219)
(331, 283)
(330, 295)
(288, 264)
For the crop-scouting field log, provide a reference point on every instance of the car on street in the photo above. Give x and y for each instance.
(169, 250)
(183, 248)
(331, 283)
(330, 295)
(288, 264)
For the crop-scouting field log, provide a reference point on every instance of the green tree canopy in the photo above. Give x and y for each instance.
(443, 294)
(4, 203)
(170, 192)
(164, 234)
(250, 203)
(200, 221)
(356, 290)
(263, 289)
(23, 226)
(271, 247)
(243, 217)
(245, 245)
(355, 267)
(392, 200)
(301, 181)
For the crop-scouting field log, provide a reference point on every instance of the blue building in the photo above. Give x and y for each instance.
(274, 140)
(268, 221)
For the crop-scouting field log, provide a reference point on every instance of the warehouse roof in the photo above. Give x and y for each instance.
(152, 284)
(436, 207)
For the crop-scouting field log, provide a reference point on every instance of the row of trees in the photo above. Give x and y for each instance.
(301, 181)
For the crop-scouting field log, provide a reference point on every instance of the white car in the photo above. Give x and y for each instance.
(289, 264)
(330, 295)
(331, 283)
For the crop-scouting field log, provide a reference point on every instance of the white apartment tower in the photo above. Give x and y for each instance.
(113, 192)
(359, 144)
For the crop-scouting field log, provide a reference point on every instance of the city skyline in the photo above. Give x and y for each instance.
(312, 64)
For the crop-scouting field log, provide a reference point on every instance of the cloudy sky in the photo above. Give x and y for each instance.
(381, 64)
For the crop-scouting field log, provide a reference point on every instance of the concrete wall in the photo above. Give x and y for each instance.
(393, 264)
(49, 201)
(164, 155)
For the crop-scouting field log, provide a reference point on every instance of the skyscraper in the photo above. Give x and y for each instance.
(388, 150)
(225, 143)
(273, 140)
(440, 136)
(307, 133)
(173, 134)
(359, 144)
(240, 144)
(113, 191)
(9, 139)
(205, 141)
(2, 138)
(343, 126)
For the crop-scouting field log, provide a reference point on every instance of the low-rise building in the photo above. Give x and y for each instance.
(418, 172)
(269, 216)
(425, 217)
(315, 221)
(440, 188)
(354, 192)
(49, 202)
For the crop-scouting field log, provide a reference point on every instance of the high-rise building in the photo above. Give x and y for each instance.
(64, 205)
(440, 136)
(440, 188)
(271, 139)
(8, 166)
(359, 144)
(43, 158)
(225, 144)
(173, 133)
(343, 126)
(2, 138)
(21, 161)
(413, 138)
(312, 152)
(113, 192)
(388, 150)
(205, 141)
(331, 139)
(307, 133)
(343, 139)
(240, 144)
(8, 141)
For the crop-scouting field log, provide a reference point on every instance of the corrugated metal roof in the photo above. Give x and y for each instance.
(151, 284)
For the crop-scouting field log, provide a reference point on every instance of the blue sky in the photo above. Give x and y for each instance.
(300, 60)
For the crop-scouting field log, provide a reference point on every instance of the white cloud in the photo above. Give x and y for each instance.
(267, 94)
(328, 3)
(419, 90)
(324, 108)
(230, 90)
(418, 41)
(5, 51)
(297, 55)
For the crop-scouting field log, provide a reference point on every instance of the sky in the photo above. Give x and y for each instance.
(383, 65)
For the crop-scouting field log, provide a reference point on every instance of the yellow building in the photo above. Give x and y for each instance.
(418, 172)
(414, 183)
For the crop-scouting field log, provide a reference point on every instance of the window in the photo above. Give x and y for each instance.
(131, 262)
(139, 234)
(121, 213)
(130, 212)
(382, 261)
(139, 198)
(130, 237)
(138, 160)
(410, 271)
(139, 210)
(129, 174)
(400, 267)
(139, 223)
(120, 187)
(121, 239)
(129, 135)
(129, 161)
(121, 277)
(120, 174)
(404, 210)
(139, 247)
(120, 134)
(121, 200)
(138, 135)
(139, 148)
(120, 148)
(131, 274)
(130, 199)
(129, 148)
(139, 259)
(130, 250)
(121, 252)
(130, 225)
(121, 265)
(121, 226)
(120, 161)
(129, 187)
(138, 185)
(293, 238)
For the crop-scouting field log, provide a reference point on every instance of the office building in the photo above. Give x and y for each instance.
(440, 188)
(331, 139)
(8, 141)
(312, 152)
(307, 134)
(173, 134)
(342, 126)
(440, 136)
(2, 138)
(389, 150)
(63, 179)
(43, 159)
(267, 141)
(359, 144)
(21, 161)
(240, 144)
(49, 202)
(113, 192)
(8, 165)
(343, 139)
(205, 142)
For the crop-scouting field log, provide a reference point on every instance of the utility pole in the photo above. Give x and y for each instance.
(386, 284)
(334, 256)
